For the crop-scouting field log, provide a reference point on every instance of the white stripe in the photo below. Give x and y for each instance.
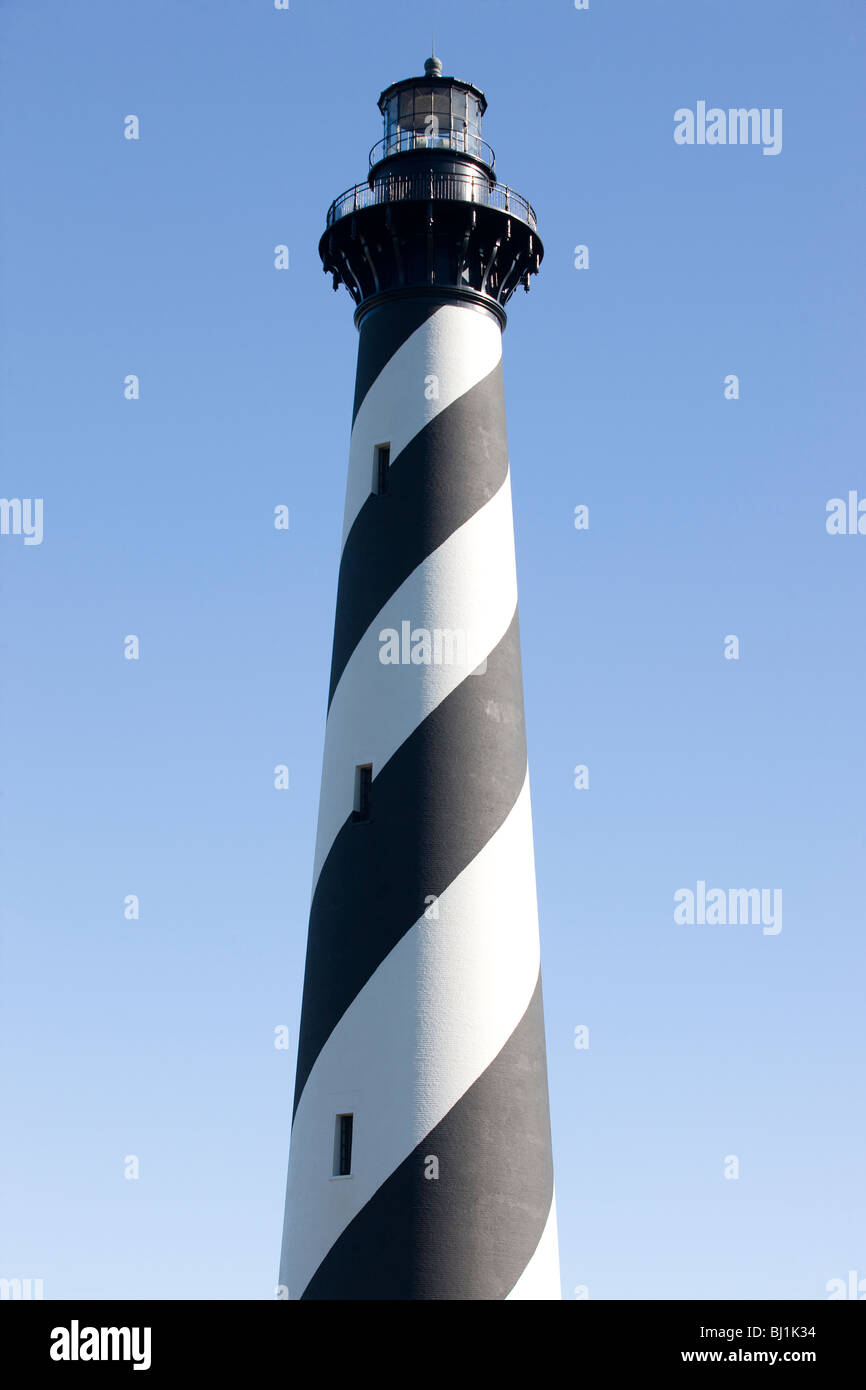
(468, 584)
(540, 1279)
(457, 345)
(428, 1022)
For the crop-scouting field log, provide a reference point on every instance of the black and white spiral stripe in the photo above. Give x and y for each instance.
(422, 1011)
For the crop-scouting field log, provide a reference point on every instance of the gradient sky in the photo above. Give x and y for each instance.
(155, 1037)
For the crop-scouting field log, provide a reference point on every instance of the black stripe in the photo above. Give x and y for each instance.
(383, 331)
(470, 1233)
(451, 468)
(435, 804)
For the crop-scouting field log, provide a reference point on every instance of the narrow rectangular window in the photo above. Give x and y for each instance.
(363, 791)
(343, 1146)
(381, 464)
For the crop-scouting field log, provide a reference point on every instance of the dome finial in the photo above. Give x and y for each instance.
(433, 65)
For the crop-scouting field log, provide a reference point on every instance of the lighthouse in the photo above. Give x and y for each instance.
(420, 1163)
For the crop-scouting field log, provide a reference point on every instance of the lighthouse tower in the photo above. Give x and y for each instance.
(420, 1164)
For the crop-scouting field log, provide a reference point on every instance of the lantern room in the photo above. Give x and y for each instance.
(432, 112)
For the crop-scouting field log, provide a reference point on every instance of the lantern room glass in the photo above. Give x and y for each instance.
(433, 116)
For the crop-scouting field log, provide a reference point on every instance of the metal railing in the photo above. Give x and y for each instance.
(426, 184)
(461, 141)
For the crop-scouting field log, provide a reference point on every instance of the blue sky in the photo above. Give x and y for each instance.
(154, 777)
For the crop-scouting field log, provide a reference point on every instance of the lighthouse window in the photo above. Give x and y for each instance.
(363, 791)
(381, 463)
(458, 120)
(442, 105)
(343, 1146)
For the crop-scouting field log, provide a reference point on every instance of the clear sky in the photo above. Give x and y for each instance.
(155, 257)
